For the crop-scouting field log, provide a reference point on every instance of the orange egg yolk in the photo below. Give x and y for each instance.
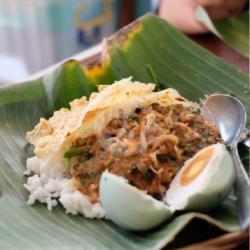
(196, 166)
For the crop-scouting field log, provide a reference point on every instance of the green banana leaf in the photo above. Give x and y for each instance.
(234, 31)
(149, 50)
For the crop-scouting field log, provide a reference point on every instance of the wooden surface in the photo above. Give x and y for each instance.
(219, 48)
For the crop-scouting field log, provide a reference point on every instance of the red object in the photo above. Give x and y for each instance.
(127, 12)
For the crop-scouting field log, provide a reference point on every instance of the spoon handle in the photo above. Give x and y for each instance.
(242, 189)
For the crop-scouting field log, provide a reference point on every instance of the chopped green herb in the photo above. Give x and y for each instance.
(73, 152)
(133, 117)
(188, 150)
(116, 153)
(77, 151)
(108, 164)
(82, 181)
(69, 164)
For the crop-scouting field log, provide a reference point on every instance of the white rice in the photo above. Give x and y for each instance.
(54, 190)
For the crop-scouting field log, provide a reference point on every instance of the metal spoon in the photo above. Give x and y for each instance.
(229, 115)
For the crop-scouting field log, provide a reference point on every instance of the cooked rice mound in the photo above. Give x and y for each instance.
(55, 175)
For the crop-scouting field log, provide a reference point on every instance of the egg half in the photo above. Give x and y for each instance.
(130, 207)
(203, 181)
(201, 184)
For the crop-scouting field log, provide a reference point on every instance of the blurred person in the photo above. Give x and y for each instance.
(181, 13)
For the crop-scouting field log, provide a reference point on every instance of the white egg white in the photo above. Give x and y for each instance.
(130, 207)
(208, 188)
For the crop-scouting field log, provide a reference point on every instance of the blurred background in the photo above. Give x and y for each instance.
(35, 34)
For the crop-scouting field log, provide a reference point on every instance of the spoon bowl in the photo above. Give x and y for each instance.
(229, 115)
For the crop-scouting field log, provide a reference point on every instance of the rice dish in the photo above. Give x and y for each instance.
(126, 129)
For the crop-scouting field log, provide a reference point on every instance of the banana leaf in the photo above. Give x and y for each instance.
(234, 31)
(149, 50)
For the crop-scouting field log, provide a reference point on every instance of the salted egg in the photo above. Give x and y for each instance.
(201, 184)
(203, 181)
